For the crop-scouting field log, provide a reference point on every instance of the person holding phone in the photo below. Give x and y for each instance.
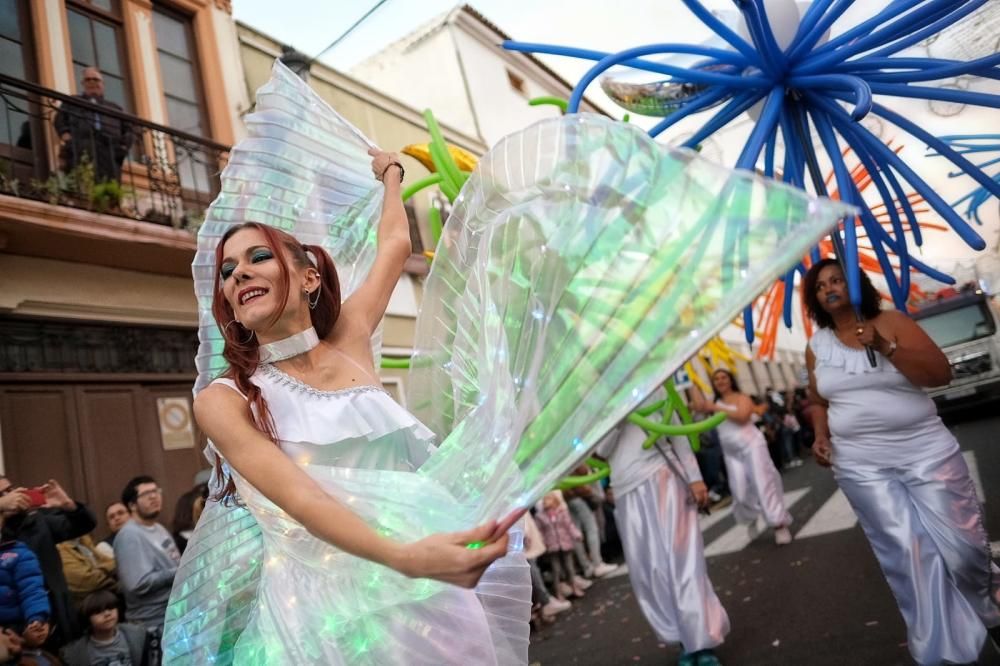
(41, 525)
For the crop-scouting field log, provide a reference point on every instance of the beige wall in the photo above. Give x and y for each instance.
(68, 290)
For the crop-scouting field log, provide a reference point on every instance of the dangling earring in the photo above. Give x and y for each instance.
(237, 321)
(313, 302)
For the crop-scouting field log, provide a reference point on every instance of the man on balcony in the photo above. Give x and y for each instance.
(88, 134)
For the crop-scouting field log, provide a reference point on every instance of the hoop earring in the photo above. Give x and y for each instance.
(313, 302)
(225, 330)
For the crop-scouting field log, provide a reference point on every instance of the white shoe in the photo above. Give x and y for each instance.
(603, 569)
(555, 606)
(753, 531)
(782, 536)
(565, 589)
(582, 583)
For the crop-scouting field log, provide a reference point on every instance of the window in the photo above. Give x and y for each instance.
(516, 82)
(95, 41)
(15, 54)
(182, 92)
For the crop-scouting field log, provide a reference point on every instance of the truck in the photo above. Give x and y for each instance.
(964, 324)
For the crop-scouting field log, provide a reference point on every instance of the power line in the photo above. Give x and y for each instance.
(348, 31)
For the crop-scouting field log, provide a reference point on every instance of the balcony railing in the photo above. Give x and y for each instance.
(73, 152)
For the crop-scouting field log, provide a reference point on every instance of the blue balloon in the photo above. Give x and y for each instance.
(805, 81)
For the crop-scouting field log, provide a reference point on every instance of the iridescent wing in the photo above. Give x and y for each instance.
(583, 263)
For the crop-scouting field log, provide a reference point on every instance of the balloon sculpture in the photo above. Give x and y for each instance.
(782, 60)
(776, 304)
(979, 144)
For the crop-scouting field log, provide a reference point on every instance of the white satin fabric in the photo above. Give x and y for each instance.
(315, 604)
(754, 482)
(914, 497)
(657, 522)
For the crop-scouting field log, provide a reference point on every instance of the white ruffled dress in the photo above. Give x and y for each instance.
(310, 603)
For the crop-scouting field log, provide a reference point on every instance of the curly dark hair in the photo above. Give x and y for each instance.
(871, 301)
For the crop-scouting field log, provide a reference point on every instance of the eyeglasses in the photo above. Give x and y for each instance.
(150, 493)
(92, 78)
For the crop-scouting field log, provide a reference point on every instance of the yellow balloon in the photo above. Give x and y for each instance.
(421, 152)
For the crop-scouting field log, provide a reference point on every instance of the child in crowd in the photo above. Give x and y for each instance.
(24, 600)
(560, 535)
(582, 501)
(546, 606)
(108, 642)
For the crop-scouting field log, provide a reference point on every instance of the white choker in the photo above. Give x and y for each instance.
(288, 347)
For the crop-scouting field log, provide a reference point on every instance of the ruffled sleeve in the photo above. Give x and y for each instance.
(832, 353)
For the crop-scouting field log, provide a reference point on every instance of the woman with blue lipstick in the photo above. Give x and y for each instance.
(900, 467)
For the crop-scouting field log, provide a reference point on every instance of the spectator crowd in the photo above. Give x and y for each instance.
(68, 596)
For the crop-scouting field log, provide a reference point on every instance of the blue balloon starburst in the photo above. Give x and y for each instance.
(986, 147)
(826, 88)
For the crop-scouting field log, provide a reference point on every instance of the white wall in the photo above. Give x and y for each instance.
(424, 76)
(500, 108)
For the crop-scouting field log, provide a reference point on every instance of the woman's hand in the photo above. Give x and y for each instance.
(823, 450)
(445, 557)
(700, 492)
(385, 163)
(869, 336)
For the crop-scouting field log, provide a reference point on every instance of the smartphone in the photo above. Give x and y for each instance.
(37, 496)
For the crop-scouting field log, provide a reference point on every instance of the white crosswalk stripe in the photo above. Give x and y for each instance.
(835, 515)
(736, 538)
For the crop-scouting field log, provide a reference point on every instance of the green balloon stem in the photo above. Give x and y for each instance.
(434, 220)
(547, 100)
(432, 179)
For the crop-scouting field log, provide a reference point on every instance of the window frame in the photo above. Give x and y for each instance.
(115, 21)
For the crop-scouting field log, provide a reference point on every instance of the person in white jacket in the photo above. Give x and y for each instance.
(657, 492)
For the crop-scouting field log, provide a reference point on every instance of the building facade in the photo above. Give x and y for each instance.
(98, 207)
(456, 66)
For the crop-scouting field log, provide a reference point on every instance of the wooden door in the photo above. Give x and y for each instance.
(93, 438)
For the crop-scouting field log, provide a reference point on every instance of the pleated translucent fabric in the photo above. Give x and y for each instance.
(581, 265)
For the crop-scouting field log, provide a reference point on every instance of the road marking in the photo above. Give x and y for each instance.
(970, 460)
(736, 538)
(705, 522)
(835, 515)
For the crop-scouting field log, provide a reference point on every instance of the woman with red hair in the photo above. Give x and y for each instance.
(299, 423)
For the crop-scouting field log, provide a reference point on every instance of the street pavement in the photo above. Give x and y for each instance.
(820, 601)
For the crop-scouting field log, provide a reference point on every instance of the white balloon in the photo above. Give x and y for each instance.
(784, 16)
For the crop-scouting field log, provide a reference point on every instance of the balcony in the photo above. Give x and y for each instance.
(108, 179)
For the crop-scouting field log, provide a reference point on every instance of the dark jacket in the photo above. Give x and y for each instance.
(41, 530)
(104, 139)
(23, 597)
(137, 638)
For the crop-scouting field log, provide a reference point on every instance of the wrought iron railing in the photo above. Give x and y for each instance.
(73, 152)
